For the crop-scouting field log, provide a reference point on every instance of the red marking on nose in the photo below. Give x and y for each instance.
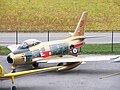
(45, 54)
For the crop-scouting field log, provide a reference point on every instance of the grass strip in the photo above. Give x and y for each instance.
(58, 15)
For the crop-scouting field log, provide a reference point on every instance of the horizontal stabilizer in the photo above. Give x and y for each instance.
(87, 37)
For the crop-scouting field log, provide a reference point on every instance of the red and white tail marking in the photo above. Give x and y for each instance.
(82, 23)
(79, 31)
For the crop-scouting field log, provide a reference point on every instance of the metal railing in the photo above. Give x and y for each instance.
(18, 37)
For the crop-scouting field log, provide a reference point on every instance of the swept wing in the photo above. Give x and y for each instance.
(78, 59)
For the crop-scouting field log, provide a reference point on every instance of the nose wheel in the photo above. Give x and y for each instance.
(60, 64)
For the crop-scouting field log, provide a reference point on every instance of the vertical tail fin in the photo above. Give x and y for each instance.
(79, 31)
(1, 70)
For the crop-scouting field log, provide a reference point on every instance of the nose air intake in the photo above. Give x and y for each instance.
(9, 60)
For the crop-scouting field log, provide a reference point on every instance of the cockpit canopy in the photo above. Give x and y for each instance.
(28, 43)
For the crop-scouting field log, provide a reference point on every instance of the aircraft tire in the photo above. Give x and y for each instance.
(35, 65)
(60, 64)
(14, 88)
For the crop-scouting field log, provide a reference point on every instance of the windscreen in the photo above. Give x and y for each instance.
(28, 43)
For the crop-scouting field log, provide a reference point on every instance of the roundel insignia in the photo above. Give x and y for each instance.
(74, 51)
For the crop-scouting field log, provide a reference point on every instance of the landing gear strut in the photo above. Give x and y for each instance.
(35, 65)
(13, 67)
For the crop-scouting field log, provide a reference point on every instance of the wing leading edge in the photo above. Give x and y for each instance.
(79, 59)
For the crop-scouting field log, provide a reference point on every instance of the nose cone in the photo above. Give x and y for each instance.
(9, 59)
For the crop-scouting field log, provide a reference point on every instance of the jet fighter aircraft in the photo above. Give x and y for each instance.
(33, 51)
(13, 75)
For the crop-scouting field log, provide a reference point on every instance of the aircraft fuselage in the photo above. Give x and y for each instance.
(46, 50)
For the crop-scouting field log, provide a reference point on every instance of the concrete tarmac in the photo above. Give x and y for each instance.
(83, 77)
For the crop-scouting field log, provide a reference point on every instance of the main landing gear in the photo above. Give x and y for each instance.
(35, 65)
(60, 64)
